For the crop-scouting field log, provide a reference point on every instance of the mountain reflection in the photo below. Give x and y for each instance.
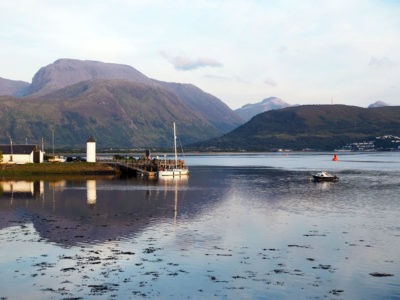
(90, 211)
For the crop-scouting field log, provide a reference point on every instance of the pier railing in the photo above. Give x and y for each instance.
(144, 166)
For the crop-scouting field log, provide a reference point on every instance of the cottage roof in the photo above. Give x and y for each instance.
(18, 149)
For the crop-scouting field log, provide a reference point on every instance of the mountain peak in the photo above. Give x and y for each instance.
(64, 72)
(378, 104)
(248, 111)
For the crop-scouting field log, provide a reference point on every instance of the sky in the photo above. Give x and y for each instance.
(304, 52)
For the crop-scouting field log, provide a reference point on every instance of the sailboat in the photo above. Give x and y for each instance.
(175, 171)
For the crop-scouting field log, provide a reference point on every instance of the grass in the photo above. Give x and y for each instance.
(55, 169)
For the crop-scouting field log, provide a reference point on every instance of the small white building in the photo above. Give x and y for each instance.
(91, 150)
(21, 154)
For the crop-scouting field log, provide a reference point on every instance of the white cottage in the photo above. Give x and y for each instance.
(21, 154)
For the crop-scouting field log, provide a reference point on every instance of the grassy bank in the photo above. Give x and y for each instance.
(56, 170)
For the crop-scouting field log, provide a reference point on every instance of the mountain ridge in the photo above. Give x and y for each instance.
(12, 87)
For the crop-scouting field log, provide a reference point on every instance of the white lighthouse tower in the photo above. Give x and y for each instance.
(91, 150)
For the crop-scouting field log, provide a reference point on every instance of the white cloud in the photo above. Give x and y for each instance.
(270, 82)
(185, 63)
(381, 63)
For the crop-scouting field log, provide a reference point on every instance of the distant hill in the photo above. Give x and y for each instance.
(248, 111)
(110, 101)
(11, 87)
(378, 104)
(319, 127)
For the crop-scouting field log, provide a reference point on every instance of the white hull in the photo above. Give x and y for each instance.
(173, 172)
(58, 159)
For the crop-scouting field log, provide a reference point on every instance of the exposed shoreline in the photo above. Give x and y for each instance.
(43, 170)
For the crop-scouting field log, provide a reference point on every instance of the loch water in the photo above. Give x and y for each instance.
(241, 226)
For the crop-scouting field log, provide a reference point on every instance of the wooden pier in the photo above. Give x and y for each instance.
(144, 167)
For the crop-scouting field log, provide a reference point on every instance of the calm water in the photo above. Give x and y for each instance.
(248, 226)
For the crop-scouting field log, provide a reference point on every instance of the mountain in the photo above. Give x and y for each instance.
(73, 96)
(248, 111)
(378, 104)
(11, 87)
(210, 107)
(319, 127)
(65, 72)
(117, 113)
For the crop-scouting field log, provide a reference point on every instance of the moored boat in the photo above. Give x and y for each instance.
(173, 172)
(324, 176)
(180, 170)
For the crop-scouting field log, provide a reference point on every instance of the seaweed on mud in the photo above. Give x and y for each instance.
(378, 274)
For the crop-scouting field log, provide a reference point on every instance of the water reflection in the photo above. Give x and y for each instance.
(91, 211)
(173, 182)
(21, 189)
(91, 192)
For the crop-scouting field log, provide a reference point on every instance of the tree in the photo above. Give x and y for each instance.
(1, 157)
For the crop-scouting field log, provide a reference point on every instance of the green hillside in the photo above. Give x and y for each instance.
(319, 127)
(117, 113)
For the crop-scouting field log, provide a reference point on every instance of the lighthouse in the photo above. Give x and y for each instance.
(91, 150)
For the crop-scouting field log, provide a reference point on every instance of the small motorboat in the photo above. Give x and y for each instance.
(324, 176)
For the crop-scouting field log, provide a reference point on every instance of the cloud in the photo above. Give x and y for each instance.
(236, 79)
(185, 63)
(381, 63)
(270, 82)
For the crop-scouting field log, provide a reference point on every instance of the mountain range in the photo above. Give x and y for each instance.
(317, 127)
(117, 104)
(123, 108)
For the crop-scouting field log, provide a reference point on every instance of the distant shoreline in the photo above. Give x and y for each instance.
(43, 170)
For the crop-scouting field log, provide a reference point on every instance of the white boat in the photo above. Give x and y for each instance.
(324, 176)
(175, 171)
(58, 158)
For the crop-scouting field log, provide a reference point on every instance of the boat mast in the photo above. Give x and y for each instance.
(176, 156)
(52, 131)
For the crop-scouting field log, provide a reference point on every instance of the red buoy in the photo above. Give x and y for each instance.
(335, 158)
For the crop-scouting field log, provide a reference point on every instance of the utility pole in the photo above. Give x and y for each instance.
(52, 131)
(11, 145)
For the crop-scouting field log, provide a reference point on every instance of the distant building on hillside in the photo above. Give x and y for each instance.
(21, 154)
(379, 143)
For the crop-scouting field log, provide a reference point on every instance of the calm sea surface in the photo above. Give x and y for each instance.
(242, 226)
